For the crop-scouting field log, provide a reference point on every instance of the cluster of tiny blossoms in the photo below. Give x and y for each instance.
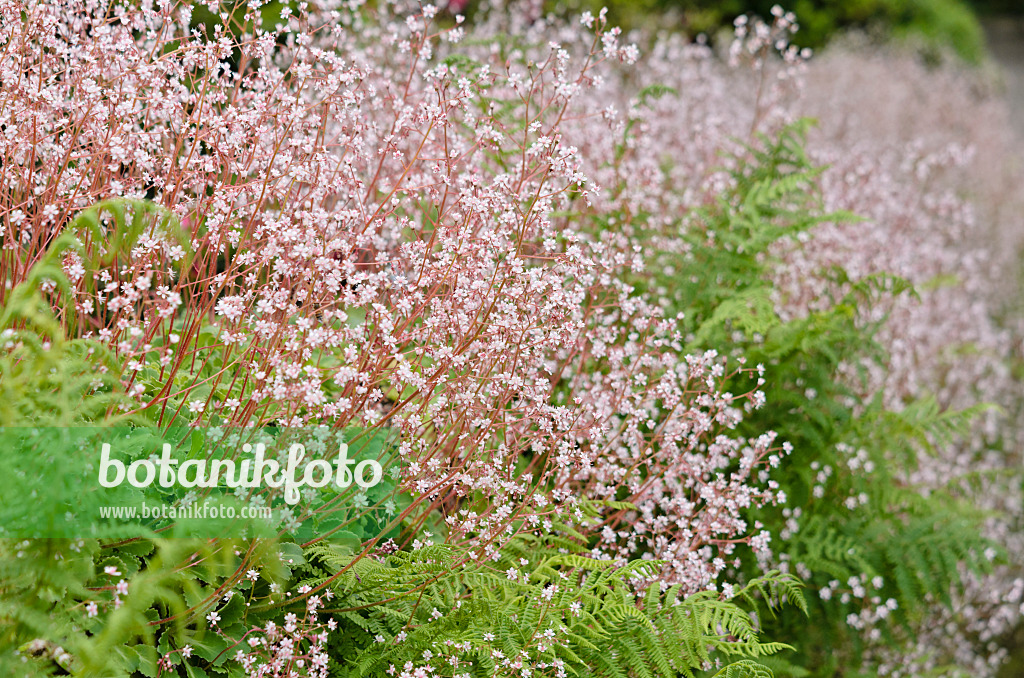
(690, 481)
(289, 650)
(293, 648)
(925, 157)
(366, 232)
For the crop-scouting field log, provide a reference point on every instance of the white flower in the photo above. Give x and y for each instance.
(231, 308)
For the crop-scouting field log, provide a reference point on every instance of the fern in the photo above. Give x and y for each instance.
(745, 669)
(601, 624)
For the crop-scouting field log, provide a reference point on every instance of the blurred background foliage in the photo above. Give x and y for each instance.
(1005, 7)
(936, 26)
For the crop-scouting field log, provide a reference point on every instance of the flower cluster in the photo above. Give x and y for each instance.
(366, 221)
(294, 648)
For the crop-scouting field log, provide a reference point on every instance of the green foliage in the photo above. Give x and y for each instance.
(172, 584)
(562, 607)
(745, 669)
(46, 378)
